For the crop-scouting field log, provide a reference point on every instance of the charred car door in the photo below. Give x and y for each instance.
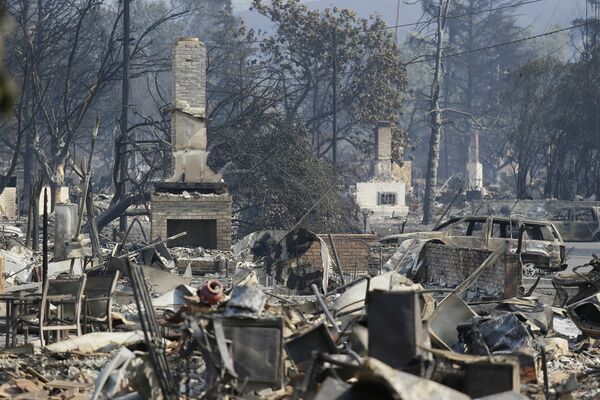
(563, 221)
(544, 247)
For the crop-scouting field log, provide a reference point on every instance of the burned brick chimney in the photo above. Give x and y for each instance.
(195, 199)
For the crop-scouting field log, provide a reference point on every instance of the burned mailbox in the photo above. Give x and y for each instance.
(395, 327)
(256, 347)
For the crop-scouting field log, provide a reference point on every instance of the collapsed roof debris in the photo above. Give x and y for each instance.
(230, 334)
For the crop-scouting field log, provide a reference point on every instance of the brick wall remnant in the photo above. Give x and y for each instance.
(208, 207)
(353, 251)
(449, 266)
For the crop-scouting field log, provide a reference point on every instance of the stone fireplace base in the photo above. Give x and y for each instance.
(203, 210)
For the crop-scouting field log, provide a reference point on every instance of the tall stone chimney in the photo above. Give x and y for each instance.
(194, 200)
(188, 68)
(383, 147)
(188, 105)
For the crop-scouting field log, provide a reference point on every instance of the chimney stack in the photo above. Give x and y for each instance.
(188, 84)
(474, 167)
(188, 104)
(474, 148)
(383, 149)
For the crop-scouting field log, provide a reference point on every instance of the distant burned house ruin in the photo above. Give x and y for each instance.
(383, 196)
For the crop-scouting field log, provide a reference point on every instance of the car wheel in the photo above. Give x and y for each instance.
(530, 270)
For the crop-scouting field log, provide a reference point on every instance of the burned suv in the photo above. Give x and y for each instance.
(541, 247)
(578, 223)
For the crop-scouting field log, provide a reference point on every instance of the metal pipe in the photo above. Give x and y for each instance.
(281, 298)
(86, 184)
(45, 238)
(153, 245)
(520, 242)
(337, 259)
(343, 287)
(323, 306)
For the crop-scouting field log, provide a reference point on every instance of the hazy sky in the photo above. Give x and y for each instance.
(541, 16)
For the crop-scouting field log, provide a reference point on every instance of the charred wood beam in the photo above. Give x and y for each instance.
(117, 209)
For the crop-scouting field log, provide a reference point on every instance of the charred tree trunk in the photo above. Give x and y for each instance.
(124, 164)
(117, 209)
(521, 181)
(34, 213)
(29, 168)
(57, 181)
(433, 158)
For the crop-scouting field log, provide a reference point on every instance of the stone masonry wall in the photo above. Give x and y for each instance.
(217, 207)
(353, 250)
(449, 266)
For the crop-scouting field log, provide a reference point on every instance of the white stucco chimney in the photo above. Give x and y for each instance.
(474, 167)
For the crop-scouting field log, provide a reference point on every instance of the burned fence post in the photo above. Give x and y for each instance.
(323, 306)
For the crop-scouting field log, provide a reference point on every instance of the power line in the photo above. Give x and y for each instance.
(504, 7)
(466, 14)
(553, 14)
(507, 43)
(504, 43)
(455, 16)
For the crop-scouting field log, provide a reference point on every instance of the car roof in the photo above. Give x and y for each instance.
(536, 222)
(473, 218)
(483, 217)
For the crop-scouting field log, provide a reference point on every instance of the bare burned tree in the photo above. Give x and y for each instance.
(67, 63)
(69, 71)
(435, 116)
(369, 76)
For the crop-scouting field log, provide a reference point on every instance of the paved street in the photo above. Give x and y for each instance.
(580, 253)
(577, 254)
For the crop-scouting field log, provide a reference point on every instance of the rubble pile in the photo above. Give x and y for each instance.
(199, 253)
(243, 331)
(189, 194)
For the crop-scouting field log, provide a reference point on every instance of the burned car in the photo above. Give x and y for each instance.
(578, 223)
(542, 245)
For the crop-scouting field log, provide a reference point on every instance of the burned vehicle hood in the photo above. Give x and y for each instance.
(425, 235)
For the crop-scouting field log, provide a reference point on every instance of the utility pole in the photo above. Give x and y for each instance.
(124, 112)
(397, 22)
(435, 112)
(334, 100)
(597, 99)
